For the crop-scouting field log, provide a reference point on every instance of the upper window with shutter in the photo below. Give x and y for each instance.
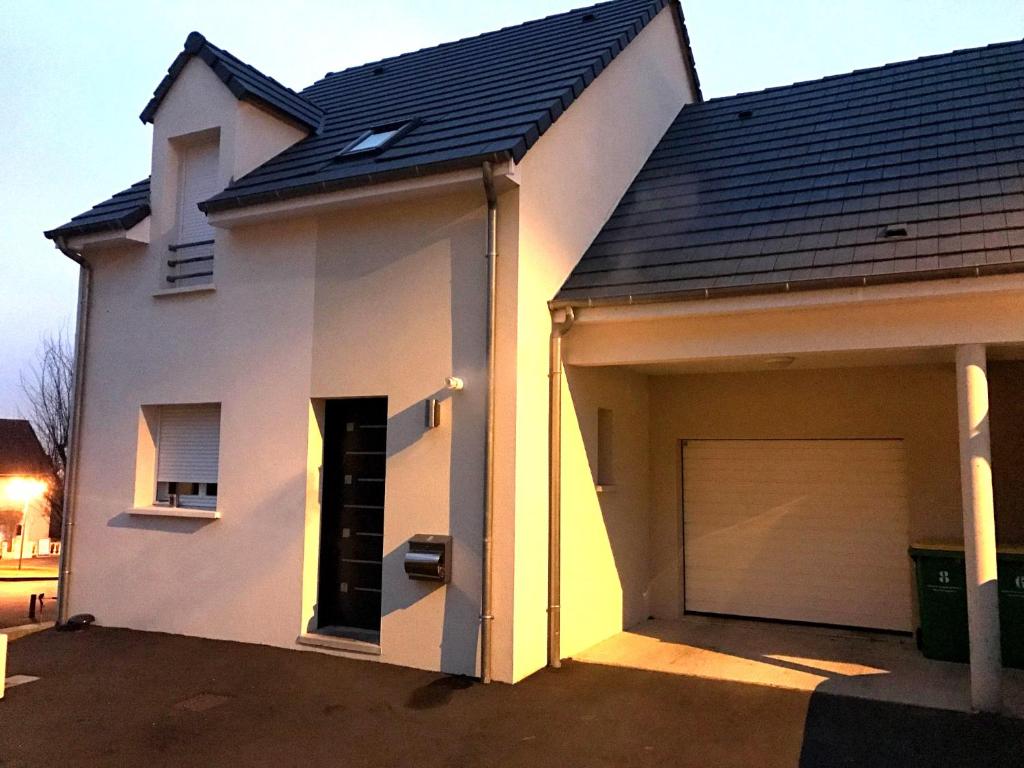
(187, 455)
(190, 261)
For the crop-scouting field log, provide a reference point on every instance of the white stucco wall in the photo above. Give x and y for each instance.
(572, 180)
(606, 565)
(241, 345)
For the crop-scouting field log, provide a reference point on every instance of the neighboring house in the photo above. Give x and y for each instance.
(21, 457)
(765, 304)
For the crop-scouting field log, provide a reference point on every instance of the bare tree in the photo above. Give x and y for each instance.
(48, 389)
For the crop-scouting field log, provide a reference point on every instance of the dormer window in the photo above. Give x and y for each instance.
(377, 139)
(190, 258)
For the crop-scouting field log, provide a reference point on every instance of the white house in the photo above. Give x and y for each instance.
(330, 321)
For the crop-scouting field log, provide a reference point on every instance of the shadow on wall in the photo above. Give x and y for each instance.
(185, 525)
(460, 636)
(465, 494)
(429, 264)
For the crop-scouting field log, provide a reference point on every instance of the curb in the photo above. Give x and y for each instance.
(24, 630)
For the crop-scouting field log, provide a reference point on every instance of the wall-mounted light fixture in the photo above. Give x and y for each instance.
(452, 384)
(433, 413)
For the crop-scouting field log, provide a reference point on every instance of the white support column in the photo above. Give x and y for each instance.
(979, 527)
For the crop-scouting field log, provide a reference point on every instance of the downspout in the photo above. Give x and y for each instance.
(67, 534)
(486, 615)
(558, 330)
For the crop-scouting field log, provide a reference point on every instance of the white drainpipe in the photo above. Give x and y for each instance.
(74, 436)
(486, 612)
(555, 372)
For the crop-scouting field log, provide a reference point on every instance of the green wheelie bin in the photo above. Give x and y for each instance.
(942, 602)
(1010, 562)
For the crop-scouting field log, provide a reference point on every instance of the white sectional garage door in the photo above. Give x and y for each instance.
(801, 530)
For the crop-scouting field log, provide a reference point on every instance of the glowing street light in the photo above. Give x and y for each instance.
(24, 490)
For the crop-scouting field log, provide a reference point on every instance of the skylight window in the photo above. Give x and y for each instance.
(376, 139)
(372, 140)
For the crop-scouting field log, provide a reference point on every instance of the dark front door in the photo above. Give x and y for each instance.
(352, 514)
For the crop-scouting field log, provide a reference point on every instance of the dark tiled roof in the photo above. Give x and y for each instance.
(486, 97)
(123, 211)
(243, 81)
(791, 187)
(20, 451)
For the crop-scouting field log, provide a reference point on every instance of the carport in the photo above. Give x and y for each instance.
(773, 457)
(805, 301)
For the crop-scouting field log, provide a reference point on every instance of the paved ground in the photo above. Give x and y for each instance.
(119, 698)
(14, 597)
(868, 665)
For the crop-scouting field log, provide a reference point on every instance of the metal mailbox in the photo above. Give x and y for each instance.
(429, 557)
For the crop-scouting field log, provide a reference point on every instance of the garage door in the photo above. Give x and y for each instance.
(802, 530)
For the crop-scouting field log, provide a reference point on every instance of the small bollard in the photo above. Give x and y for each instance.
(3, 662)
(32, 606)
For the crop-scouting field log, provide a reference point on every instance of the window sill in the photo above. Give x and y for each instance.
(336, 643)
(156, 510)
(204, 288)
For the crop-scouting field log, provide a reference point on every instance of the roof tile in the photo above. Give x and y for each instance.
(934, 144)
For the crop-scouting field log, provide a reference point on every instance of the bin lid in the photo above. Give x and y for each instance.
(936, 549)
(956, 549)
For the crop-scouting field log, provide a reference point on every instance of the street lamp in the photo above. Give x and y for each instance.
(24, 490)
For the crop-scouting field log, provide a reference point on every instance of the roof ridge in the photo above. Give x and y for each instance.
(226, 52)
(862, 71)
(489, 33)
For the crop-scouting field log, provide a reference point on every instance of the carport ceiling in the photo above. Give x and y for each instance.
(875, 358)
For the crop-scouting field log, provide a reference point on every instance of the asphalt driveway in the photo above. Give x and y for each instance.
(119, 698)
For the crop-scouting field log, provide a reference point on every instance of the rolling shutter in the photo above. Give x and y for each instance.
(189, 443)
(198, 182)
(801, 530)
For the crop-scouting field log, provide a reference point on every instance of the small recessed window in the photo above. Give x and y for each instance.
(187, 442)
(375, 139)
